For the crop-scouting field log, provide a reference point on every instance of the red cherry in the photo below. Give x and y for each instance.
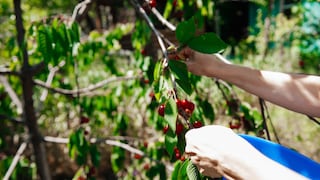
(177, 155)
(174, 3)
(145, 144)
(185, 104)
(301, 63)
(84, 120)
(92, 171)
(197, 124)
(179, 103)
(179, 128)
(234, 125)
(151, 94)
(137, 156)
(146, 81)
(175, 150)
(143, 52)
(81, 178)
(190, 106)
(152, 3)
(165, 129)
(182, 158)
(86, 132)
(146, 167)
(161, 110)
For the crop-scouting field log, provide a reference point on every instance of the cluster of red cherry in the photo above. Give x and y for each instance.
(185, 109)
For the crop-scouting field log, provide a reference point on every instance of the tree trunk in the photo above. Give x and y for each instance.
(26, 76)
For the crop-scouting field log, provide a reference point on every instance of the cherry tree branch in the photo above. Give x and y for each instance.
(52, 72)
(80, 8)
(15, 160)
(90, 88)
(12, 94)
(2, 117)
(108, 142)
(150, 24)
(5, 71)
(162, 19)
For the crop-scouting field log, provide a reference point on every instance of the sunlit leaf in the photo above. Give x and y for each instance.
(207, 43)
(192, 171)
(185, 31)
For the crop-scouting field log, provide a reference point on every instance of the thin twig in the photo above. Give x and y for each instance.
(52, 72)
(2, 117)
(15, 160)
(150, 24)
(271, 123)
(108, 142)
(5, 71)
(87, 89)
(79, 9)
(265, 126)
(12, 94)
(163, 20)
(314, 120)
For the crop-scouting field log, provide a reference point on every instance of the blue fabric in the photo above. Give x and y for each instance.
(285, 156)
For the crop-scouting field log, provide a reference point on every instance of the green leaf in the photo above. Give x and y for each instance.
(185, 86)
(182, 173)
(117, 159)
(208, 110)
(192, 172)
(95, 155)
(158, 86)
(76, 31)
(171, 113)
(185, 31)
(167, 9)
(157, 70)
(179, 69)
(208, 43)
(81, 159)
(175, 173)
(170, 141)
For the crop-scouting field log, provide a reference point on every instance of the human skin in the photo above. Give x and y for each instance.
(217, 151)
(296, 92)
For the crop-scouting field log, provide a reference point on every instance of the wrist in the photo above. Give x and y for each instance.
(216, 67)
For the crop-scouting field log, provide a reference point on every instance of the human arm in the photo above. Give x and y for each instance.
(217, 151)
(296, 92)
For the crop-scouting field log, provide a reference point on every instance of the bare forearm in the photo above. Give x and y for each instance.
(296, 92)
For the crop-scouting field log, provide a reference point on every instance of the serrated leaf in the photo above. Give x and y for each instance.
(182, 175)
(192, 172)
(185, 31)
(175, 172)
(170, 141)
(208, 43)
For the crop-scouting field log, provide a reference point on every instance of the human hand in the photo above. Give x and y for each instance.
(199, 63)
(218, 151)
